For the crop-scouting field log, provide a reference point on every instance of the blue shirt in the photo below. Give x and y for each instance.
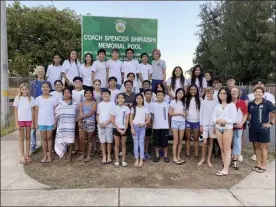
(36, 87)
(259, 114)
(244, 95)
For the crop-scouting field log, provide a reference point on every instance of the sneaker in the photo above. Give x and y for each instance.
(254, 158)
(240, 158)
(235, 165)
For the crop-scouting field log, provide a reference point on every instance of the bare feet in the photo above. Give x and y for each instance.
(81, 158)
(136, 163)
(201, 162)
(141, 163)
(209, 164)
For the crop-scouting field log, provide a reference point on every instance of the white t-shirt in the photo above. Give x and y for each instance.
(161, 115)
(53, 73)
(153, 97)
(57, 95)
(145, 70)
(86, 74)
(157, 69)
(114, 94)
(215, 96)
(177, 84)
(120, 113)
(130, 67)
(71, 69)
(206, 111)
(193, 112)
(46, 110)
(104, 110)
(267, 96)
(78, 96)
(115, 69)
(99, 68)
(148, 105)
(140, 114)
(204, 83)
(166, 98)
(178, 108)
(24, 107)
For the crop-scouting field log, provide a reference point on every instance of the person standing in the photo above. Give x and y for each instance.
(86, 71)
(99, 70)
(114, 67)
(158, 69)
(54, 71)
(144, 70)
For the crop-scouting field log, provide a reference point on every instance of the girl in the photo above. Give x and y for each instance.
(58, 92)
(198, 79)
(161, 87)
(97, 90)
(86, 71)
(87, 124)
(66, 123)
(176, 81)
(192, 119)
(70, 68)
(178, 115)
(54, 70)
(224, 117)
(119, 119)
(158, 69)
(24, 119)
(45, 120)
(139, 119)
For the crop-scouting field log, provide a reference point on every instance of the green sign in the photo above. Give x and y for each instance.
(117, 32)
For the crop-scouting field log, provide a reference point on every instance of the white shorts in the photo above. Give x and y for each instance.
(208, 132)
(105, 134)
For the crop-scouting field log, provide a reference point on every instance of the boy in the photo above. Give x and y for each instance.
(105, 126)
(131, 77)
(144, 71)
(130, 66)
(99, 70)
(36, 91)
(112, 82)
(206, 112)
(160, 112)
(217, 84)
(114, 67)
(130, 96)
(146, 86)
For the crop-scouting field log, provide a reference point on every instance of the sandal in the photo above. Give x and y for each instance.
(94, 152)
(141, 164)
(182, 161)
(197, 157)
(124, 164)
(23, 160)
(49, 160)
(136, 164)
(44, 160)
(221, 174)
(103, 162)
(235, 164)
(100, 153)
(88, 159)
(156, 159)
(178, 162)
(116, 164)
(260, 170)
(28, 160)
(188, 156)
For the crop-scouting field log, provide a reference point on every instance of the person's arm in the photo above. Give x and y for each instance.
(131, 117)
(164, 72)
(80, 113)
(232, 119)
(16, 117)
(107, 75)
(47, 73)
(172, 113)
(140, 77)
(271, 111)
(150, 73)
(214, 116)
(93, 110)
(114, 123)
(201, 117)
(36, 117)
(169, 87)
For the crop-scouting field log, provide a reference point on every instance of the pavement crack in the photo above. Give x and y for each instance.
(119, 196)
(235, 197)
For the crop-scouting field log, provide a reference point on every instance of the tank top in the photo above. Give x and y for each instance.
(86, 110)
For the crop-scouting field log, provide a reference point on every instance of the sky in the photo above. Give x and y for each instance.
(177, 23)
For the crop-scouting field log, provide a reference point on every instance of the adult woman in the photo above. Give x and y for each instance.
(262, 117)
(224, 117)
(86, 72)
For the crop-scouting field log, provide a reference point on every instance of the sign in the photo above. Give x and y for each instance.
(121, 33)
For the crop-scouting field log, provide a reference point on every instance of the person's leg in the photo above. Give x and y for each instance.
(94, 142)
(220, 143)
(103, 146)
(117, 144)
(175, 145)
(124, 138)
(204, 146)
(28, 132)
(237, 147)
(90, 145)
(210, 149)
(77, 140)
(21, 143)
(227, 140)
(109, 139)
(264, 153)
(135, 145)
(156, 134)
(70, 149)
(258, 153)
(141, 143)
(188, 141)
(165, 144)
(179, 146)
(82, 134)
(44, 145)
(49, 135)
(33, 140)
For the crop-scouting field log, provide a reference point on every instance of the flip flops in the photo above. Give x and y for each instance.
(44, 160)
(23, 160)
(259, 169)
(219, 173)
(109, 161)
(178, 162)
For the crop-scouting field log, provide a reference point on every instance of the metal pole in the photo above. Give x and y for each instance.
(4, 68)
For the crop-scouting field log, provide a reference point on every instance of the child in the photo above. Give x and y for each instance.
(97, 90)
(66, 123)
(99, 68)
(206, 127)
(86, 71)
(58, 92)
(160, 112)
(120, 118)
(192, 119)
(87, 110)
(146, 86)
(36, 91)
(54, 70)
(198, 79)
(130, 66)
(177, 113)
(71, 68)
(148, 103)
(144, 70)
(112, 81)
(158, 69)
(139, 119)
(45, 120)
(24, 119)
(105, 126)
(161, 87)
(131, 77)
(114, 67)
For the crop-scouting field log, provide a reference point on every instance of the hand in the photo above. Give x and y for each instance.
(133, 132)
(239, 126)
(266, 125)
(201, 128)
(102, 125)
(123, 132)
(17, 126)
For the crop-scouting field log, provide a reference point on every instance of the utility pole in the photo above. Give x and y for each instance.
(4, 68)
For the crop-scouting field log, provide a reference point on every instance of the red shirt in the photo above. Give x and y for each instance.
(242, 110)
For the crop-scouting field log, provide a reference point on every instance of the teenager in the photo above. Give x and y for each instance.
(54, 70)
(131, 77)
(99, 70)
(208, 78)
(129, 95)
(217, 84)
(114, 67)
(58, 93)
(230, 83)
(146, 86)
(144, 70)
(86, 71)
(112, 82)
(158, 69)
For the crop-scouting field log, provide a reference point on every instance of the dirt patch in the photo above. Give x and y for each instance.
(62, 174)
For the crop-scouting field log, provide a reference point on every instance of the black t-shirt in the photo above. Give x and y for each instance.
(130, 98)
(259, 114)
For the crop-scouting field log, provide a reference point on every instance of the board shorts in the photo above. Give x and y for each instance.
(179, 125)
(192, 125)
(105, 134)
(208, 132)
(45, 128)
(25, 123)
(87, 125)
(161, 137)
(116, 133)
(262, 137)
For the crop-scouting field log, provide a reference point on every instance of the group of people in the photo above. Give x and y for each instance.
(116, 100)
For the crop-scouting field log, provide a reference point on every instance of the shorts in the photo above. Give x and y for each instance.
(161, 137)
(88, 126)
(116, 133)
(192, 125)
(45, 128)
(208, 132)
(25, 123)
(262, 137)
(148, 132)
(179, 125)
(105, 134)
(237, 142)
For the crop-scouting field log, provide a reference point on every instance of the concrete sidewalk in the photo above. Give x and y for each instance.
(19, 189)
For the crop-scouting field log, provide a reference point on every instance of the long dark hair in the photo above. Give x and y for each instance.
(189, 97)
(182, 78)
(183, 98)
(200, 77)
(228, 94)
(135, 103)
(92, 60)
(57, 54)
(69, 58)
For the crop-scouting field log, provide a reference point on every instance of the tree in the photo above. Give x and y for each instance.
(35, 34)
